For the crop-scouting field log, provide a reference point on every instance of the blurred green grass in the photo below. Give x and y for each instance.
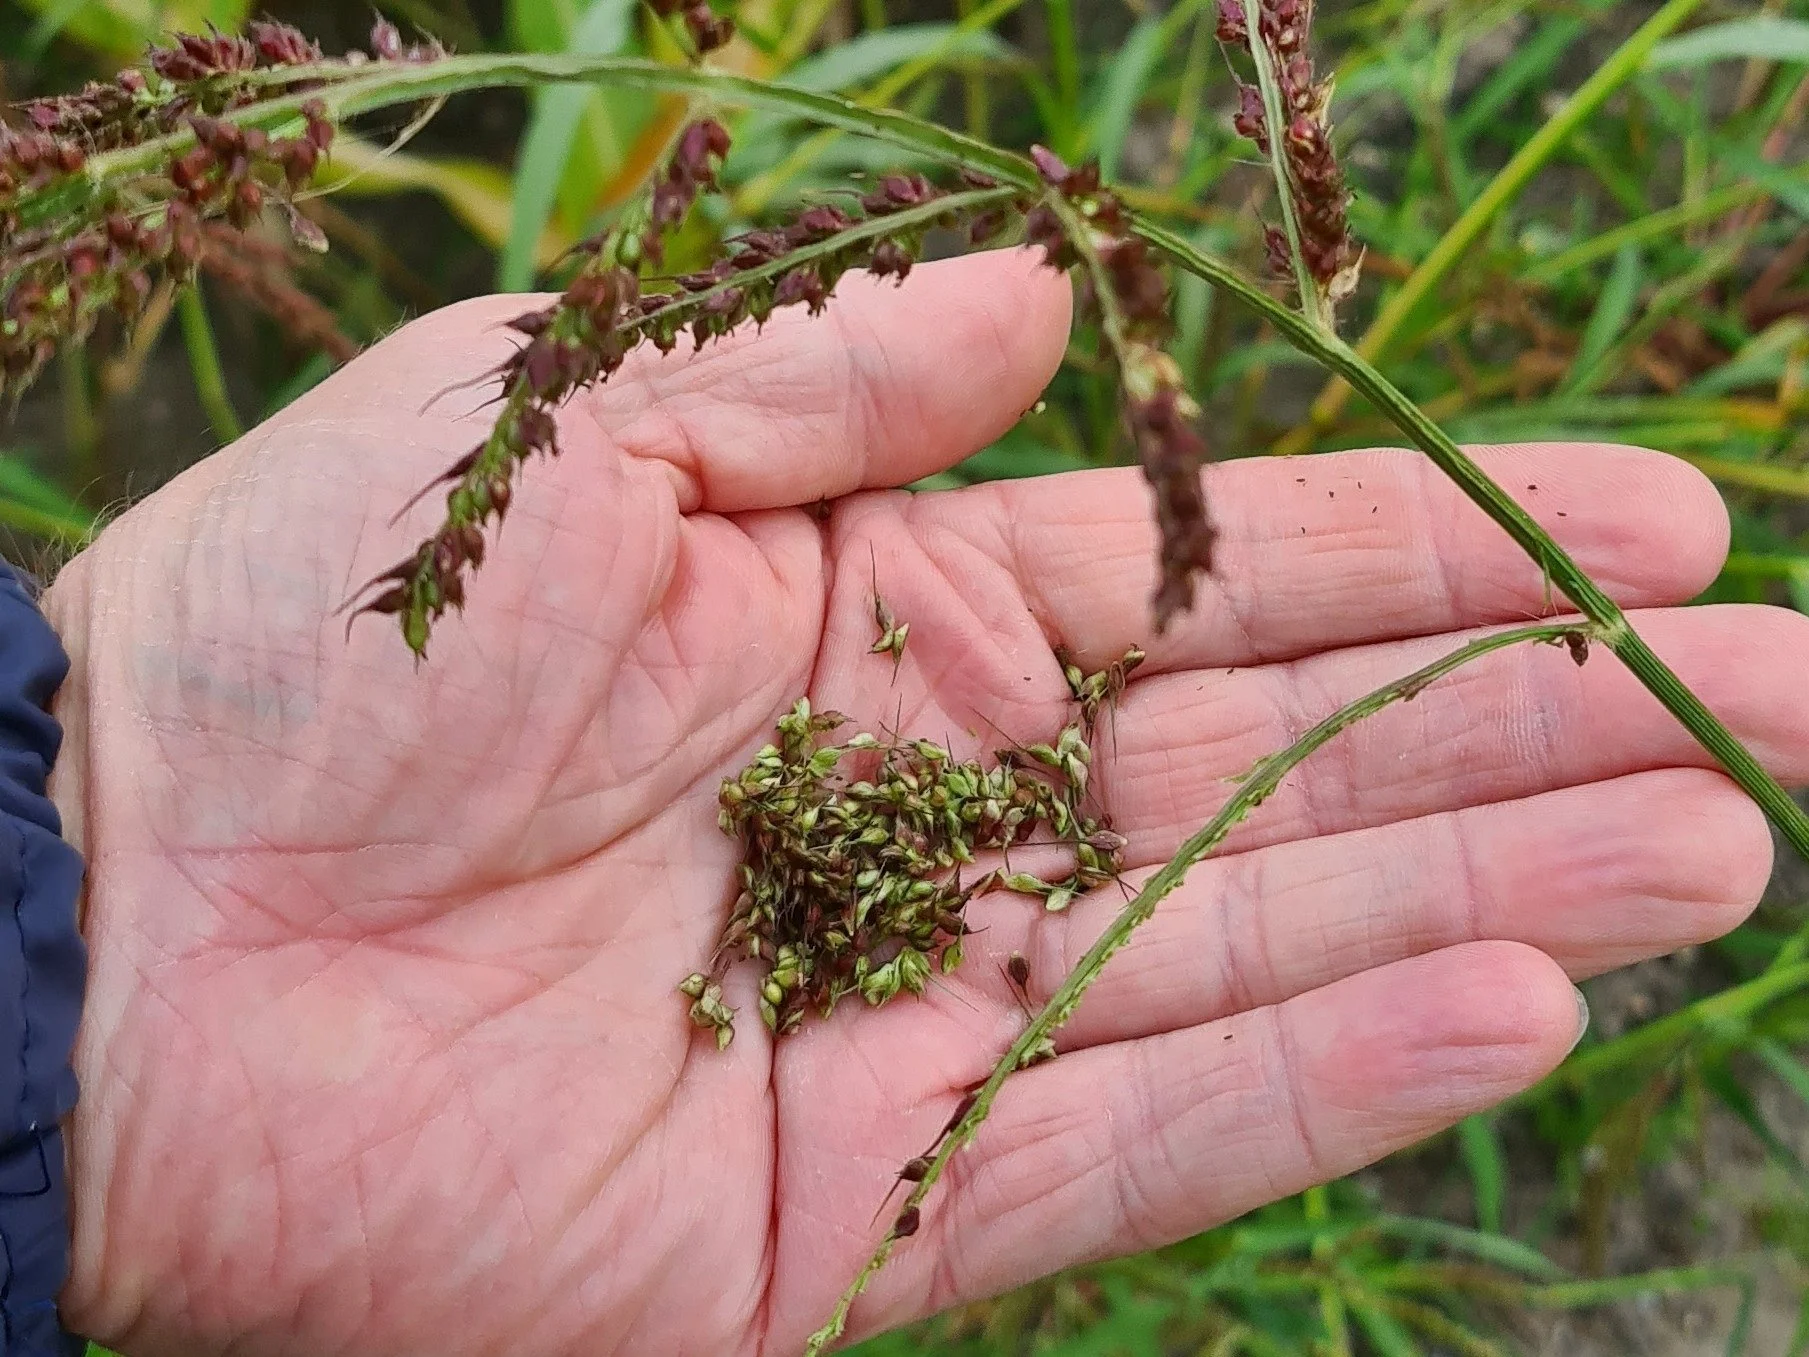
(1637, 274)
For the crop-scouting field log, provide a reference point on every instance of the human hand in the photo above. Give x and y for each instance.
(382, 1052)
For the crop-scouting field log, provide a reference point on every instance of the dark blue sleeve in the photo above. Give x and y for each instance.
(43, 967)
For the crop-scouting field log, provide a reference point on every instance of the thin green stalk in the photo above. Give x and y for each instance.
(1317, 1204)
(1189, 98)
(1658, 1038)
(1617, 181)
(1767, 567)
(1229, 1343)
(1252, 791)
(347, 91)
(806, 21)
(1794, 950)
(1497, 1251)
(204, 363)
(1799, 1337)
(1064, 56)
(1565, 1293)
(1553, 560)
(1502, 190)
(1434, 100)
(1728, 415)
(1708, 207)
(978, 97)
(1606, 1290)
(1437, 1326)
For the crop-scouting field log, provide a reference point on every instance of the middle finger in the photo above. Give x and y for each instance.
(1519, 722)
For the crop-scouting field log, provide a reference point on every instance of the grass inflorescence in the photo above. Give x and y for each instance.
(1315, 243)
(618, 299)
(64, 270)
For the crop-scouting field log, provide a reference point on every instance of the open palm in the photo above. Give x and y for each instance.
(383, 1055)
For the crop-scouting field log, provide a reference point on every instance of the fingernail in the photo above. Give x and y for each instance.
(1582, 1018)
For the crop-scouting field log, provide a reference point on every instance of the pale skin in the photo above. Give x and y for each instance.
(382, 1052)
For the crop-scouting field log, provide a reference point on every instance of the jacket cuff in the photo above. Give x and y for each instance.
(43, 969)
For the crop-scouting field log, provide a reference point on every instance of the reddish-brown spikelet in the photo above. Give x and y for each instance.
(708, 29)
(583, 337)
(1157, 408)
(67, 268)
(258, 270)
(1316, 184)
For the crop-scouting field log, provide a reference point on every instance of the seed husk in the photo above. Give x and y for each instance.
(850, 877)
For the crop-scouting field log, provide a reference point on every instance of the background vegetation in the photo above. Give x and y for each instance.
(1542, 264)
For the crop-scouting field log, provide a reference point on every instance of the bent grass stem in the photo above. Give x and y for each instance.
(1256, 787)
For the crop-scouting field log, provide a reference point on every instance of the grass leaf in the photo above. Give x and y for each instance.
(473, 191)
(602, 29)
(1121, 87)
(1487, 1167)
(1499, 1250)
(31, 503)
(1783, 1064)
(1734, 1095)
(1799, 1340)
(1761, 37)
(1530, 65)
(1385, 1333)
(872, 55)
(1613, 310)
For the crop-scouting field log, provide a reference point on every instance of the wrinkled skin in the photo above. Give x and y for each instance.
(383, 1056)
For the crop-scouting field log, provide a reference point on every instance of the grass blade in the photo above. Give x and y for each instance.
(1384, 1331)
(1783, 1064)
(1613, 311)
(204, 363)
(1480, 1149)
(1708, 207)
(872, 55)
(1121, 87)
(1720, 1080)
(30, 503)
(475, 192)
(1761, 37)
(1498, 1250)
(1531, 64)
(1579, 1295)
(601, 30)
